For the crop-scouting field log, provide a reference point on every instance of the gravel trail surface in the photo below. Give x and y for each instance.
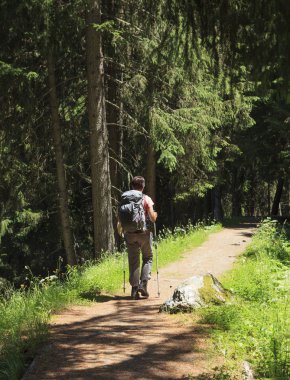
(124, 340)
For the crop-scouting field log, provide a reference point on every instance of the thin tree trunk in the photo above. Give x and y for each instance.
(151, 164)
(236, 194)
(114, 140)
(61, 178)
(121, 121)
(114, 115)
(207, 205)
(236, 204)
(217, 209)
(112, 112)
(120, 156)
(115, 149)
(151, 172)
(269, 197)
(277, 197)
(171, 192)
(285, 198)
(100, 172)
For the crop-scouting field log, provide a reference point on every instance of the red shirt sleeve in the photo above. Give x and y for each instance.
(147, 202)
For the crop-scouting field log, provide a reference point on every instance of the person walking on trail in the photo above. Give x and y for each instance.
(135, 214)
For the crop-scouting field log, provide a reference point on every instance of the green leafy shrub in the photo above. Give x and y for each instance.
(271, 240)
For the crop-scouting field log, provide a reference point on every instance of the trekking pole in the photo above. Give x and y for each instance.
(156, 253)
(124, 271)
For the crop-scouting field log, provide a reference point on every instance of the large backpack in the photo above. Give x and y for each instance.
(131, 211)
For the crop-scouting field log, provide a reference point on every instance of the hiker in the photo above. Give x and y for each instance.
(135, 214)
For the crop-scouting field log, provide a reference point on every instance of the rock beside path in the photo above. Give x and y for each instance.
(248, 371)
(196, 292)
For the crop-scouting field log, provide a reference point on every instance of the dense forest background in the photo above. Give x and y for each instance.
(194, 95)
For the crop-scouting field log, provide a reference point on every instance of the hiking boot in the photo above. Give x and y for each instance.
(143, 289)
(134, 293)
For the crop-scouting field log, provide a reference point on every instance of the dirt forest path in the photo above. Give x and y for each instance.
(124, 340)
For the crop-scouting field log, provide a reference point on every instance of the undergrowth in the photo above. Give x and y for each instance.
(25, 313)
(256, 327)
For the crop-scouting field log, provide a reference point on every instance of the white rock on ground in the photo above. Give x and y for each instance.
(196, 292)
(248, 373)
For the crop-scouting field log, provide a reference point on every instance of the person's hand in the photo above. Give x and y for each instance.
(119, 229)
(152, 214)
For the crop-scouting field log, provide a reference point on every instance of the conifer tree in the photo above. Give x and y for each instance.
(60, 168)
(100, 173)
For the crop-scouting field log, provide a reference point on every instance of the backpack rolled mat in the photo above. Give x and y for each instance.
(131, 211)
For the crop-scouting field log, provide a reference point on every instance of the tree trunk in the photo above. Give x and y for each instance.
(171, 193)
(151, 164)
(236, 194)
(99, 153)
(207, 205)
(114, 140)
(269, 197)
(277, 197)
(114, 115)
(236, 204)
(60, 169)
(115, 118)
(151, 172)
(112, 111)
(217, 208)
(285, 198)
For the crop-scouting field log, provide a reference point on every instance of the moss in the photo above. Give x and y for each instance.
(212, 291)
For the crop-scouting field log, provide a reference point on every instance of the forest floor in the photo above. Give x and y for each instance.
(124, 339)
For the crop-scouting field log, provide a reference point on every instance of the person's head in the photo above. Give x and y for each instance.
(138, 183)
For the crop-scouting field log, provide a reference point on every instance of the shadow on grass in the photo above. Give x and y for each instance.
(220, 373)
(241, 222)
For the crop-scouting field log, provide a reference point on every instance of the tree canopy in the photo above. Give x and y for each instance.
(193, 95)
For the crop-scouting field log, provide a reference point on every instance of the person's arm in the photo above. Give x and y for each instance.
(152, 214)
(119, 228)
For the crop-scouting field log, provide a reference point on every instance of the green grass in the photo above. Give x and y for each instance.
(256, 327)
(25, 313)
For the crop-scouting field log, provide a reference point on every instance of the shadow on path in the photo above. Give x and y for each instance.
(119, 344)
